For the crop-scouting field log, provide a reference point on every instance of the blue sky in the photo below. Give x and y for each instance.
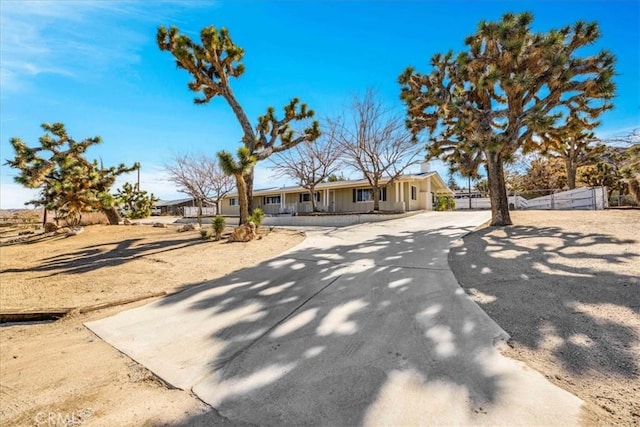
(95, 66)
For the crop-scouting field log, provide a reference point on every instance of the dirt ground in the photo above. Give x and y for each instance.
(61, 374)
(566, 287)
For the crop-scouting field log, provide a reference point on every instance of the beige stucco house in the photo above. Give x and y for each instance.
(407, 193)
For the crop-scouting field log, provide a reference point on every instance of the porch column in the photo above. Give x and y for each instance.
(325, 199)
(429, 200)
(282, 204)
(397, 186)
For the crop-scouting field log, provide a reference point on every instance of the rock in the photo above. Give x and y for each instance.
(75, 231)
(62, 230)
(189, 227)
(126, 221)
(244, 233)
(159, 225)
(50, 227)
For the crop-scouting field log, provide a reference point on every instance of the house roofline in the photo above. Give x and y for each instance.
(346, 184)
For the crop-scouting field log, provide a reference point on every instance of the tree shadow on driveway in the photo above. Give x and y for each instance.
(332, 336)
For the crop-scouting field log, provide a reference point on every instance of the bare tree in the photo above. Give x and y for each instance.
(376, 142)
(201, 177)
(310, 163)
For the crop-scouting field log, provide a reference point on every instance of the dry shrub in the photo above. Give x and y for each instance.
(88, 218)
(92, 218)
(20, 217)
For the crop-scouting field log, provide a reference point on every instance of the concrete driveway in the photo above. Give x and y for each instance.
(364, 325)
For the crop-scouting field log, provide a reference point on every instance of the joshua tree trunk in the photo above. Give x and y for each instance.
(112, 215)
(248, 179)
(497, 190)
(571, 173)
(242, 196)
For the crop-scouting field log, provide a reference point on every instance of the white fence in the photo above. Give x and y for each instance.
(192, 211)
(485, 203)
(585, 198)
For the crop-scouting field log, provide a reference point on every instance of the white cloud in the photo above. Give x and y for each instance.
(76, 38)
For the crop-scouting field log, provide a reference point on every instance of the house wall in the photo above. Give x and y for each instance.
(344, 201)
(330, 220)
(341, 200)
(423, 194)
(226, 209)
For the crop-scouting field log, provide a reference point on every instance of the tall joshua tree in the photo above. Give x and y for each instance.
(212, 64)
(68, 182)
(511, 85)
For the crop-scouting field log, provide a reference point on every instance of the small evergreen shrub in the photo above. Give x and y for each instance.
(218, 225)
(445, 203)
(256, 217)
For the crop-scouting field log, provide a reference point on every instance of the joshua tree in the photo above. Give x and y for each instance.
(574, 143)
(135, 202)
(212, 64)
(511, 85)
(68, 182)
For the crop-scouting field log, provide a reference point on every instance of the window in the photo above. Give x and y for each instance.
(304, 197)
(366, 195)
(272, 200)
(414, 192)
(233, 201)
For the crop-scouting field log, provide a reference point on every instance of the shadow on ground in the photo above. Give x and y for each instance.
(95, 257)
(534, 290)
(330, 336)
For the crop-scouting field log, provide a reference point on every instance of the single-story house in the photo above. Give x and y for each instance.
(407, 193)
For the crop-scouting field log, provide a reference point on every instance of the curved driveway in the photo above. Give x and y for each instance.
(364, 325)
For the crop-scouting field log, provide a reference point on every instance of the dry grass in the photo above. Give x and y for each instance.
(62, 367)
